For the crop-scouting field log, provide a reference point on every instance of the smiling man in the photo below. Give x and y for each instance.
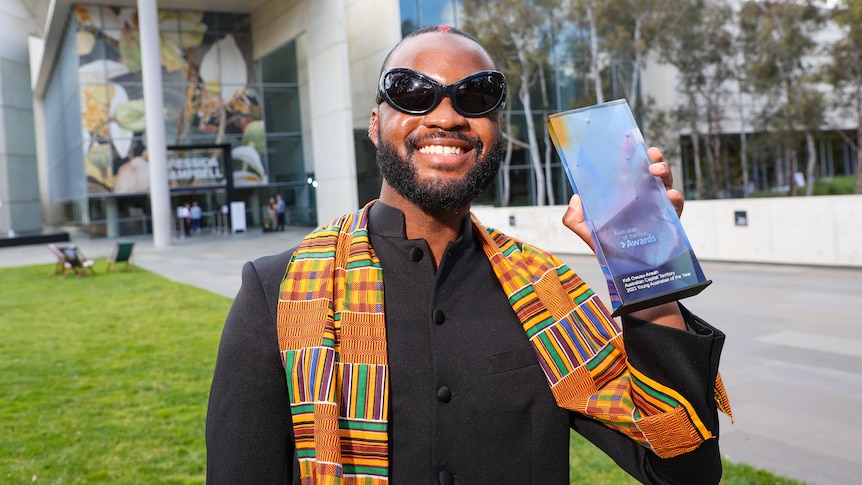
(407, 343)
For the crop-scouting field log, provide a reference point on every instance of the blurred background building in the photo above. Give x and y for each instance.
(235, 83)
(266, 97)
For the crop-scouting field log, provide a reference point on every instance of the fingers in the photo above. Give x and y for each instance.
(676, 200)
(655, 155)
(659, 168)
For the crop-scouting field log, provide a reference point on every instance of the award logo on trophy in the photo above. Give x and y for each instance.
(639, 240)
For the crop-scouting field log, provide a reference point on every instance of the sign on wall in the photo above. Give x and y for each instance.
(196, 167)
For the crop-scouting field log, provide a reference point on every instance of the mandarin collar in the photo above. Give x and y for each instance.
(385, 220)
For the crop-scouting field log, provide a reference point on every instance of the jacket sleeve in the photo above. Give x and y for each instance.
(689, 365)
(658, 386)
(248, 426)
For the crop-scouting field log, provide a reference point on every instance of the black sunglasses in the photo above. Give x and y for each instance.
(414, 93)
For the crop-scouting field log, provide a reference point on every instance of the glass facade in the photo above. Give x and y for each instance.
(420, 13)
(67, 181)
(215, 94)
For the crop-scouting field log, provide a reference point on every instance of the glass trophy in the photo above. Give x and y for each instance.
(639, 240)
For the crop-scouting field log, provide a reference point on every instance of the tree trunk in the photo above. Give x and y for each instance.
(535, 161)
(712, 179)
(743, 150)
(505, 174)
(858, 185)
(549, 175)
(780, 166)
(722, 177)
(698, 170)
(723, 167)
(594, 55)
(636, 63)
(812, 163)
(790, 162)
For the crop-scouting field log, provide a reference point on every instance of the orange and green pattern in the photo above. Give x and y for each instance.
(333, 343)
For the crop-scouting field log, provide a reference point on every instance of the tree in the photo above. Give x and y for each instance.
(716, 51)
(620, 34)
(696, 42)
(630, 29)
(778, 46)
(741, 75)
(590, 11)
(662, 129)
(518, 34)
(844, 71)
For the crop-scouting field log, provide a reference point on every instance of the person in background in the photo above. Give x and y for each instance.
(280, 207)
(408, 343)
(272, 210)
(196, 213)
(225, 213)
(184, 213)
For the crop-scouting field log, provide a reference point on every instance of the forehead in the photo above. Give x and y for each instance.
(443, 56)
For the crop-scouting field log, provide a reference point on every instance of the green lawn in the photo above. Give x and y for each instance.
(588, 465)
(104, 379)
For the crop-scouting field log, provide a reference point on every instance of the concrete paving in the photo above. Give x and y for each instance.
(792, 363)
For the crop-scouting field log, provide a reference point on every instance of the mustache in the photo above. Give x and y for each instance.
(413, 142)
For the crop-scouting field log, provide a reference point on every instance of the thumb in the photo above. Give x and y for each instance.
(574, 219)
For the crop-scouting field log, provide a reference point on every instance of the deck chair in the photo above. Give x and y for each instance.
(76, 262)
(122, 254)
(62, 265)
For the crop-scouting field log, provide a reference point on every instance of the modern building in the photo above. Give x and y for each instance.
(281, 88)
(259, 98)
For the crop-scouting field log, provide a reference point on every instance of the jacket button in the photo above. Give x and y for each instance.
(416, 254)
(438, 316)
(446, 478)
(444, 394)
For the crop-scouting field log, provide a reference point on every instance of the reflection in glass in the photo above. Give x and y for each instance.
(284, 155)
(282, 109)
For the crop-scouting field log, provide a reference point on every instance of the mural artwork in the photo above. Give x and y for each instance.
(210, 95)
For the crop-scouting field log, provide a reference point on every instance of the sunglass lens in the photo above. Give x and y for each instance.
(409, 92)
(479, 94)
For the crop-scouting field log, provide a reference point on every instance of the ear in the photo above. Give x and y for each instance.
(373, 127)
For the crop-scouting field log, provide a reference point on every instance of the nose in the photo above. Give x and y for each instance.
(445, 117)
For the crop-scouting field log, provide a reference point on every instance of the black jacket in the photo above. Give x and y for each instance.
(468, 401)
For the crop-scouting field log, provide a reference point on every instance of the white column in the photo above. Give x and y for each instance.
(331, 110)
(112, 215)
(151, 68)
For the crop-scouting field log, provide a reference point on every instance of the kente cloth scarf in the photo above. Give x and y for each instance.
(332, 336)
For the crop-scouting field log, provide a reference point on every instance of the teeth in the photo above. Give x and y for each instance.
(440, 150)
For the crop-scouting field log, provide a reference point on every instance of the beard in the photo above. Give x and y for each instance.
(438, 195)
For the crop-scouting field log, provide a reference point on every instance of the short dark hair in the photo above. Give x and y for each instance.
(426, 30)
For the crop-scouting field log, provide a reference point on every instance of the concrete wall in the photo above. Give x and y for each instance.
(373, 30)
(345, 42)
(824, 230)
(20, 207)
(20, 195)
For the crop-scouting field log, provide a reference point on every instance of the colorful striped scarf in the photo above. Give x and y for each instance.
(332, 336)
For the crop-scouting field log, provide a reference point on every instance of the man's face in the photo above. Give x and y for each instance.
(441, 160)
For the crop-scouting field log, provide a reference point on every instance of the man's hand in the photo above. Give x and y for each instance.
(574, 216)
(661, 170)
